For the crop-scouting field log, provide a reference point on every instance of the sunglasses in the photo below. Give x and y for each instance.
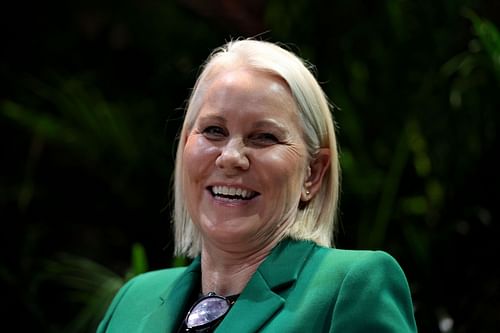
(207, 312)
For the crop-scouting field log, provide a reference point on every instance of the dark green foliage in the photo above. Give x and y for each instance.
(91, 101)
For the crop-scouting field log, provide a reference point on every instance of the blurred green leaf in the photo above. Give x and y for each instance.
(392, 181)
(416, 205)
(46, 125)
(80, 120)
(489, 36)
(179, 261)
(89, 284)
(139, 260)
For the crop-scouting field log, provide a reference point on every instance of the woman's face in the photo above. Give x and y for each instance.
(245, 160)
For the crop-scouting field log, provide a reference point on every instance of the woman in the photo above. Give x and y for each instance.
(256, 191)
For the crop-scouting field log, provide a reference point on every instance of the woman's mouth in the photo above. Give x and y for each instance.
(232, 192)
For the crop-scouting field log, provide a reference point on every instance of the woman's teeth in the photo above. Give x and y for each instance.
(227, 191)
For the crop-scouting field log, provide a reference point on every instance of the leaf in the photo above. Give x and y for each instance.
(489, 36)
(139, 260)
(90, 284)
(43, 124)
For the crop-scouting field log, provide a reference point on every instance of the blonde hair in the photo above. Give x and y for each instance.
(316, 219)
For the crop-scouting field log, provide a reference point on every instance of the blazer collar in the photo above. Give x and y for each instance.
(285, 262)
(261, 298)
(258, 302)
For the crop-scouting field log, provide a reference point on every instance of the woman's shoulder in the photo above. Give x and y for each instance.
(357, 262)
(363, 284)
(149, 284)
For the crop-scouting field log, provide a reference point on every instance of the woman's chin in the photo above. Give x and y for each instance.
(229, 236)
(225, 235)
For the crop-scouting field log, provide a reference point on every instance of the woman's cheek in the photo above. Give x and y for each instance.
(284, 171)
(196, 151)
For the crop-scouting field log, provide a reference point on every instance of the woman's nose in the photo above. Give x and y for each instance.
(233, 156)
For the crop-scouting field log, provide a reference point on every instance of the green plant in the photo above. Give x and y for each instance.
(90, 285)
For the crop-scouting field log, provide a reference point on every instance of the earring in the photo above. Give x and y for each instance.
(308, 192)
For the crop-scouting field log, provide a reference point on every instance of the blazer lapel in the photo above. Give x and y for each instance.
(172, 303)
(258, 302)
(254, 307)
(261, 298)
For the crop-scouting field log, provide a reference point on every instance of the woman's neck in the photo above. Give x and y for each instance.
(227, 273)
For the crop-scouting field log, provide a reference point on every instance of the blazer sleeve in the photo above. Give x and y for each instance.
(374, 297)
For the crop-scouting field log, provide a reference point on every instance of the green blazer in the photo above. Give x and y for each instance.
(300, 287)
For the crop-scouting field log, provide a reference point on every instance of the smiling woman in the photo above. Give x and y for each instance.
(247, 137)
(256, 191)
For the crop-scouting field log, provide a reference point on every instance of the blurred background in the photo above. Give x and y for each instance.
(91, 100)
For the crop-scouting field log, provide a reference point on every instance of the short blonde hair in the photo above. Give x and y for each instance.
(316, 219)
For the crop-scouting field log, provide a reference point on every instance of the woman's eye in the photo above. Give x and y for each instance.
(214, 132)
(265, 138)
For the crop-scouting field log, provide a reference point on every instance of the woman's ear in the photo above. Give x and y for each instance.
(316, 171)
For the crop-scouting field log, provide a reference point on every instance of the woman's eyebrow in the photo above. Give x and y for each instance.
(212, 117)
